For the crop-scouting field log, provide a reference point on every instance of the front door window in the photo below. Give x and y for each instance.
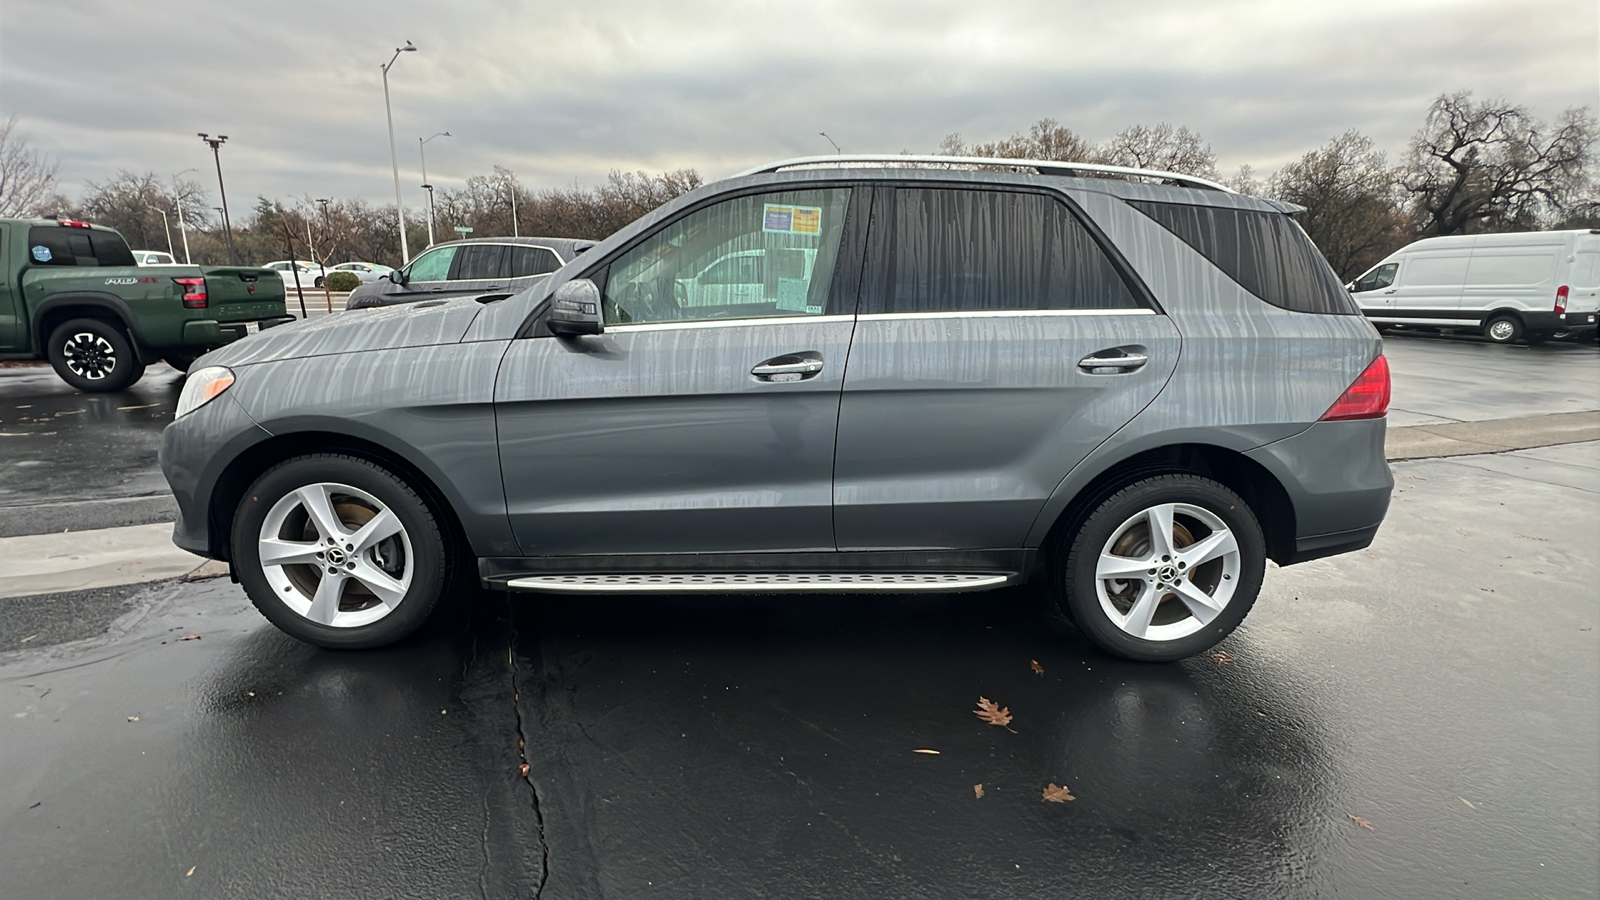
(749, 257)
(433, 265)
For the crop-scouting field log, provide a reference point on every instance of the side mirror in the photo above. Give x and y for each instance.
(398, 276)
(575, 309)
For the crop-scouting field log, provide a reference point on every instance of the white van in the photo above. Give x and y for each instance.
(1507, 286)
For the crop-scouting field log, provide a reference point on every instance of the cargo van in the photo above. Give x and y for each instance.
(1509, 287)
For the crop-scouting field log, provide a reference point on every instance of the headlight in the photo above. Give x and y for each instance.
(201, 386)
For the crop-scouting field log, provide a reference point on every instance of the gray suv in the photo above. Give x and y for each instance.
(847, 374)
(473, 266)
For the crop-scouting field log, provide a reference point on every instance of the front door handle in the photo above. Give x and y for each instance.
(1391, 290)
(1113, 362)
(789, 367)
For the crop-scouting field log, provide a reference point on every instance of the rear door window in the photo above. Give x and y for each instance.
(1265, 252)
(61, 246)
(478, 262)
(953, 250)
(521, 262)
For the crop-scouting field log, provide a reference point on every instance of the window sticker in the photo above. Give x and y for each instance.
(41, 253)
(776, 219)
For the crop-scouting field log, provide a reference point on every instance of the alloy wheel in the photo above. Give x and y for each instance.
(336, 555)
(1167, 571)
(88, 355)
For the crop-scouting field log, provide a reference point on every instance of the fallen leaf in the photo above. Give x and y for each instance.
(133, 718)
(1469, 803)
(27, 639)
(992, 712)
(929, 752)
(1222, 658)
(190, 872)
(190, 637)
(1037, 669)
(1057, 793)
(1360, 821)
(977, 791)
(524, 768)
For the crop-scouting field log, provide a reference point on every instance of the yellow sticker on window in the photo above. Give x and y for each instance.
(776, 219)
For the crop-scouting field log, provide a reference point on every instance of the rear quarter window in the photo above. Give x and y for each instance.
(1265, 252)
(60, 246)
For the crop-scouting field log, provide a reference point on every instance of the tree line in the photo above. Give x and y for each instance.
(1473, 166)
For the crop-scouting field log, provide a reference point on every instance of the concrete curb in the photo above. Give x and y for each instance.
(1492, 436)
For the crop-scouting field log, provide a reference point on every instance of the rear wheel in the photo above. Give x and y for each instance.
(339, 552)
(319, 282)
(1503, 329)
(93, 355)
(1163, 569)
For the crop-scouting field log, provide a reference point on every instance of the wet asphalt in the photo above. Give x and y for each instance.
(1442, 687)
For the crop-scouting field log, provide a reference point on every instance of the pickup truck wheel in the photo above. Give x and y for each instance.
(93, 355)
(339, 552)
(1163, 569)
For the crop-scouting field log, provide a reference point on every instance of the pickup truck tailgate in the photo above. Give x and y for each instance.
(238, 294)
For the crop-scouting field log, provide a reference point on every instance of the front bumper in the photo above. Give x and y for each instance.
(193, 457)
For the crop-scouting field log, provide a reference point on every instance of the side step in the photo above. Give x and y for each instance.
(759, 582)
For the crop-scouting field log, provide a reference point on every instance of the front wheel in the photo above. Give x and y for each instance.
(339, 552)
(93, 355)
(1163, 569)
(319, 282)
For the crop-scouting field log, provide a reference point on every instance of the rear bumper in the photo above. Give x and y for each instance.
(1550, 322)
(1338, 483)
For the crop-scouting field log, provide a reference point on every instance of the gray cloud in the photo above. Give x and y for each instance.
(562, 93)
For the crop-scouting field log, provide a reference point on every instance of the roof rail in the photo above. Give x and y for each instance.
(1042, 166)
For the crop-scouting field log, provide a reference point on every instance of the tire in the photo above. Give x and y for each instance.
(1503, 329)
(1159, 613)
(319, 282)
(182, 360)
(93, 355)
(384, 588)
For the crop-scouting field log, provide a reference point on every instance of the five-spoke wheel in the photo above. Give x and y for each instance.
(339, 551)
(1163, 569)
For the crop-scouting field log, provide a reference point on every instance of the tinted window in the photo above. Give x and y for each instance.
(949, 250)
(795, 234)
(478, 262)
(60, 246)
(1265, 252)
(520, 262)
(433, 265)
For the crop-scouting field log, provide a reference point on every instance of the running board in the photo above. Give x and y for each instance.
(759, 582)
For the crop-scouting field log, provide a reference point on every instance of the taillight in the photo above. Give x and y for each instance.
(73, 223)
(1367, 398)
(1561, 299)
(194, 292)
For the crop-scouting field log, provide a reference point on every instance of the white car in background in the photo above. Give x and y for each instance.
(153, 258)
(311, 273)
(367, 272)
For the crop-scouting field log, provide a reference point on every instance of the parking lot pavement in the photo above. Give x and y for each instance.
(1440, 688)
(1444, 379)
(70, 460)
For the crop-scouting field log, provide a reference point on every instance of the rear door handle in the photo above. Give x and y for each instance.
(1123, 361)
(789, 367)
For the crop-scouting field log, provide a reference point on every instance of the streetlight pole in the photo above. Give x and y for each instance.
(168, 229)
(830, 140)
(514, 227)
(227, 225)
(422, 151)
(177, 198)
(394, 156)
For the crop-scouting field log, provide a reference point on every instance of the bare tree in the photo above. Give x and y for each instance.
(134, 204)
(1350, 195)
(1162, 147)
(27, 176)
(1493, 167)
(1046, 139)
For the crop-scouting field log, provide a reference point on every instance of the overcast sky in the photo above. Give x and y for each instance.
(563, 92)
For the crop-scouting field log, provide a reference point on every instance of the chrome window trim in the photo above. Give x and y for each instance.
(1004, 314)
(727, 323)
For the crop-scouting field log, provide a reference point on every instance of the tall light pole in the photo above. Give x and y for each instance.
(177, 198)
(168, 229)
(394, 156)
(515, 232)
(830, 140)
(422, 151)
(227, 226)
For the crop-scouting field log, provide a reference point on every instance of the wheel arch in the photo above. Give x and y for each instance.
(55, 311)
(1253, 482)
(252, 462)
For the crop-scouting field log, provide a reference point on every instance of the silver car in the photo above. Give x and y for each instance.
(1127, 388)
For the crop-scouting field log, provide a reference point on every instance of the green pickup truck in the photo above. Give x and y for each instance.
(71, 293)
